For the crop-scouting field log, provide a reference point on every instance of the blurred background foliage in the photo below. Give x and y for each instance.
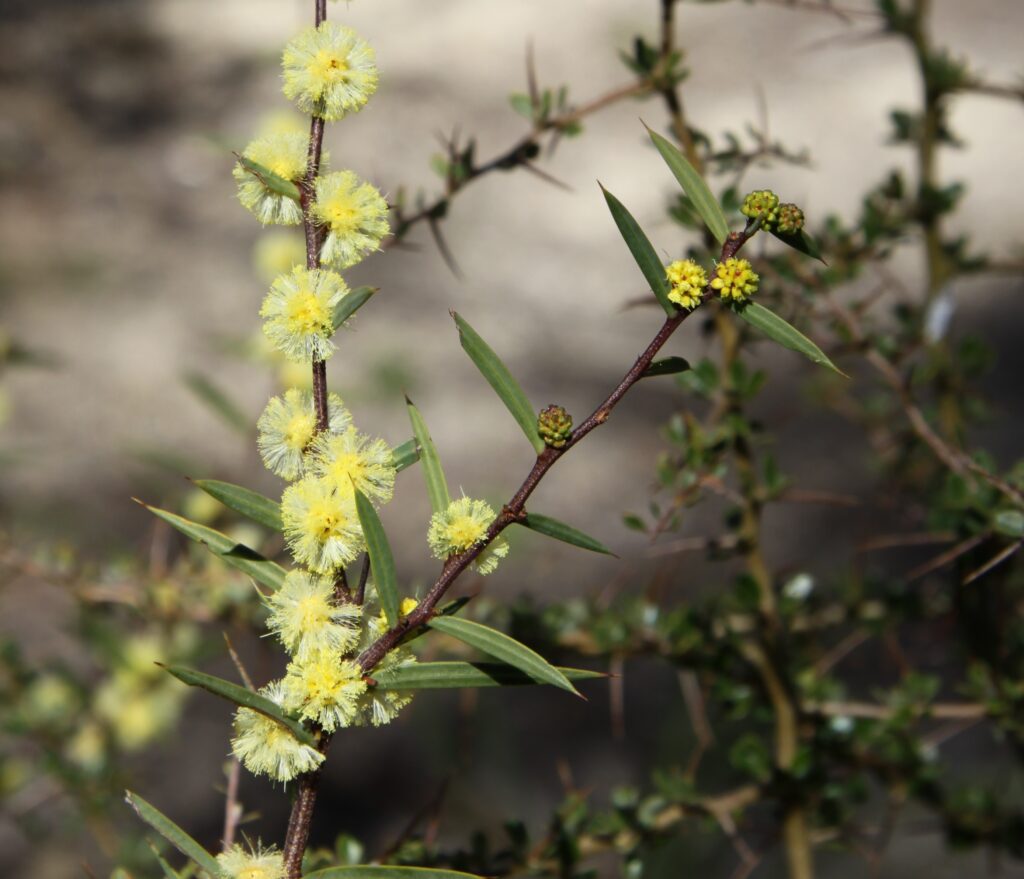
(841, 552)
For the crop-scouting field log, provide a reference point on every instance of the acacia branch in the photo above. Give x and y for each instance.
(515, 509)
(518, 155)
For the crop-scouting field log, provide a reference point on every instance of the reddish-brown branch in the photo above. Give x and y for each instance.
(301, 818)
(299, 823)
(515, 509)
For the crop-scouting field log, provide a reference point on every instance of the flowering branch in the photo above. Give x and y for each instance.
(514, 510)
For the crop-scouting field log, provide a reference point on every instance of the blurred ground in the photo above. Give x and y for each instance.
(124, 254)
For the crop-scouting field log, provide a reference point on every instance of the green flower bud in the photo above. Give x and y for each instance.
(791, 219)
(762, 203)
(554, 425)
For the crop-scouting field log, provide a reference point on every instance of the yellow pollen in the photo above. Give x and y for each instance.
(341, 214)
(465, 531)
(306, 313)
(348, 466)
(299, 431)
(312, 612)
(329, 68)
(325, 521)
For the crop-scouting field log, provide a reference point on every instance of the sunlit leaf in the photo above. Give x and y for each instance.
(173, 833)
(351, 303)
(240, 696)
(273, 182)
(235, 554)
(501, 646)
(437, 487)
(382, 562)
(643, 251)
(781, 331)
(560, 531)
(460, 675)
(249, 503)
(694, 186)
(405, 455)
(503, 382)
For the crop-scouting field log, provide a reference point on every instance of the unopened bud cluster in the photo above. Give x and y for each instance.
(791, 219)
(554, 425)
(785, 218)
(761, 203)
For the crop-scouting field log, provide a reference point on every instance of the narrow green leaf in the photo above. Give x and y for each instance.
(499, 378)
(373, 871)
(666, 366)
(249, 503)
(351, 303)
(566, 533)
(218, 401)
(643, 251)
(382, 562)
(168, 871)
(173, 833)
(501, 646)
(437, 487)
(694, 186)
(235, 554)
(461, 675)
(273, 182)
(803, 242)
(240, 696)
(781, 331)
(405, 455)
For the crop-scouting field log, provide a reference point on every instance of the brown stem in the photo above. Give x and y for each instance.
(301, 817)
(668, 90)
(514, 510)
(299, 823)
(320, 394)
(516, 156)
(232, 808)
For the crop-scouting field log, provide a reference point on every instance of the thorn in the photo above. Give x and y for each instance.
(543, 175)
(442, 247)
(531, 75)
